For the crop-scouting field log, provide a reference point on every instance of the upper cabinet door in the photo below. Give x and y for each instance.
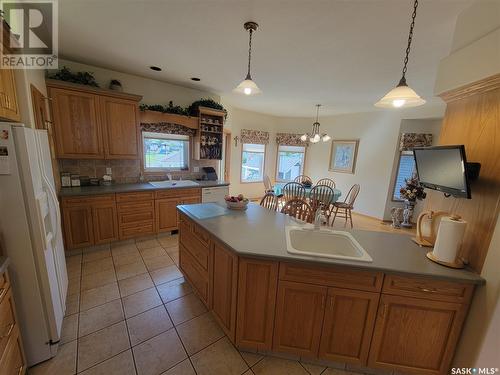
(9, 108)
(77, 125)
(120, 127)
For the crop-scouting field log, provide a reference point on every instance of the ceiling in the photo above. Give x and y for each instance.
(343, 54)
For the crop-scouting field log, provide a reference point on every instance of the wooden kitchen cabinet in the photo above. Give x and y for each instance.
(299, 318)
(225, 282)
(257, 286)
(348, 325)
(166, 214)
(9, 106)
(136, 214)
(104, 219)
(78, 228)
(414, 335)
(120, 128)
(77, 126)
(89, 221)
(92, 123)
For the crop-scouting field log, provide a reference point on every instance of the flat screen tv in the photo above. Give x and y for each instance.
(443, 168)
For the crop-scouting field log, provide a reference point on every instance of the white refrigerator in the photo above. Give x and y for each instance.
(30, 232)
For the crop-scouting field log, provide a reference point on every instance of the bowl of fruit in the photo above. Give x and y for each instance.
(236, 202)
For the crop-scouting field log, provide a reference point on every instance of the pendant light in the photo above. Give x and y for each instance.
(402, 96)
(248, 86)
(315, 136)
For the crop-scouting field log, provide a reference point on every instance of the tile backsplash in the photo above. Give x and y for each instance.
(127, 171)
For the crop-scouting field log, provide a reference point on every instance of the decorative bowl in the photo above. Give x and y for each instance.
(240, 205)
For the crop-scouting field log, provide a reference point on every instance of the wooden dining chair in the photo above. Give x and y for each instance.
(299, 209)
(321, 196)
(270, 201)
(327, 181)
(303, 179)
(346, 206)
(293, 190)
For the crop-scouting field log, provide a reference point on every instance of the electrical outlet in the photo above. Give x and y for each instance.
(196, 169)
(108, 170)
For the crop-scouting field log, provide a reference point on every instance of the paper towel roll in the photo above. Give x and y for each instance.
(449, 239)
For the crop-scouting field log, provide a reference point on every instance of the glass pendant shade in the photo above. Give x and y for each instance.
(303, 138)
(401, 96)
(247, 87)
(326, 138)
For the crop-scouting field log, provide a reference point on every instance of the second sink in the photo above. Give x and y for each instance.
(324, 243)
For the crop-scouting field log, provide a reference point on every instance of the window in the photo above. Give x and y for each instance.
(164, 152)
(406, 169)
(252, 162)
(290, 162)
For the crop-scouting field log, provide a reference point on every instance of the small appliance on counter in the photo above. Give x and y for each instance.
(210, 173)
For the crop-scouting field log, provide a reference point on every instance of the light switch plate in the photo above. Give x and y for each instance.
(196, 169)
(108, 170)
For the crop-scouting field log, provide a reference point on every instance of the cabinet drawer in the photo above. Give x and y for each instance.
(95, 199)
(136, 206)
(198, 250)
(136, 196)
(174, 193)
(195, 274)
(12, 361)
(201, 234)
(132, 218)
(137, 230)
(7, 320)
(427, 288)
(331, 276)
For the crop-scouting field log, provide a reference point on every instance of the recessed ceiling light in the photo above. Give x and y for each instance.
(155, 68)
(196, 79)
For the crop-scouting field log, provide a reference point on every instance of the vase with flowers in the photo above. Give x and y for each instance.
(410, 192)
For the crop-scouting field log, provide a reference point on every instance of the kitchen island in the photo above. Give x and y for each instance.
(399, 312)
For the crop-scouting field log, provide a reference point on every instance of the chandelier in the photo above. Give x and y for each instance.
(315, 136)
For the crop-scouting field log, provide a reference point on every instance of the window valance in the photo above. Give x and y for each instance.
(290, 139)
(254, 136)
(410, 140)
(165, 127)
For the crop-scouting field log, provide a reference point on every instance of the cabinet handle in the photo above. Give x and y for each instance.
(383, 310)
(2, 292)
(20, 370)
(9, 331)
(427, 290)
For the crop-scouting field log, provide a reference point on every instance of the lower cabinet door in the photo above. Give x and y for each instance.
(414, 335)
(225, 280)
(348, 325)
(197, 277)
(257, 284)
(105, 223)
(166, 214)
(13, 361)
(299, 318)
(78, 230)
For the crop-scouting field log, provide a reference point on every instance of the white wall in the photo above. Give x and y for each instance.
(153, 92)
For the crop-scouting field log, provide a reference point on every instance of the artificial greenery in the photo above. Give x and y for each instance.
(83, 78)
(192, 110)
(209, 103)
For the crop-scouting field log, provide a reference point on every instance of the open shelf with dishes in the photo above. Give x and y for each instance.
(209, 137)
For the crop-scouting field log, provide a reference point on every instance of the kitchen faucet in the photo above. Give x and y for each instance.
(319, 217)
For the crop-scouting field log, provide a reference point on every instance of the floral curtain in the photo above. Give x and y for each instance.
(410, 140)
(254, 136)
(290, 139)
(165, 127)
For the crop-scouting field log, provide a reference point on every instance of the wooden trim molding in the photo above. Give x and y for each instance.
(54, 83)
(478, 87)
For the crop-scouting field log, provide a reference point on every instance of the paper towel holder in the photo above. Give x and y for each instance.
(458, 263)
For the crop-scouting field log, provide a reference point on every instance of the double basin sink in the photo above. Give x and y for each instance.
(327, 243)
(173, 183)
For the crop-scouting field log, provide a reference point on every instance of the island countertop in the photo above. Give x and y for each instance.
(259, 232)
(126, 188)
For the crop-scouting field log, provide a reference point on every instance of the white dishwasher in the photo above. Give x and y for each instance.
(214, 194)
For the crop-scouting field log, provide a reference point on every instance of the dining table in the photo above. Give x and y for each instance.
(278, 190)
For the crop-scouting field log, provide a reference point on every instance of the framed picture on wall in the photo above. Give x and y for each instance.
(343, 155)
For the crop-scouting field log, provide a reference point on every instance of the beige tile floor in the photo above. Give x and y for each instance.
(129, 311)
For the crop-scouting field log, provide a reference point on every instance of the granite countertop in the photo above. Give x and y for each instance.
(125, 188)
(4, 263)
(259, 232)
